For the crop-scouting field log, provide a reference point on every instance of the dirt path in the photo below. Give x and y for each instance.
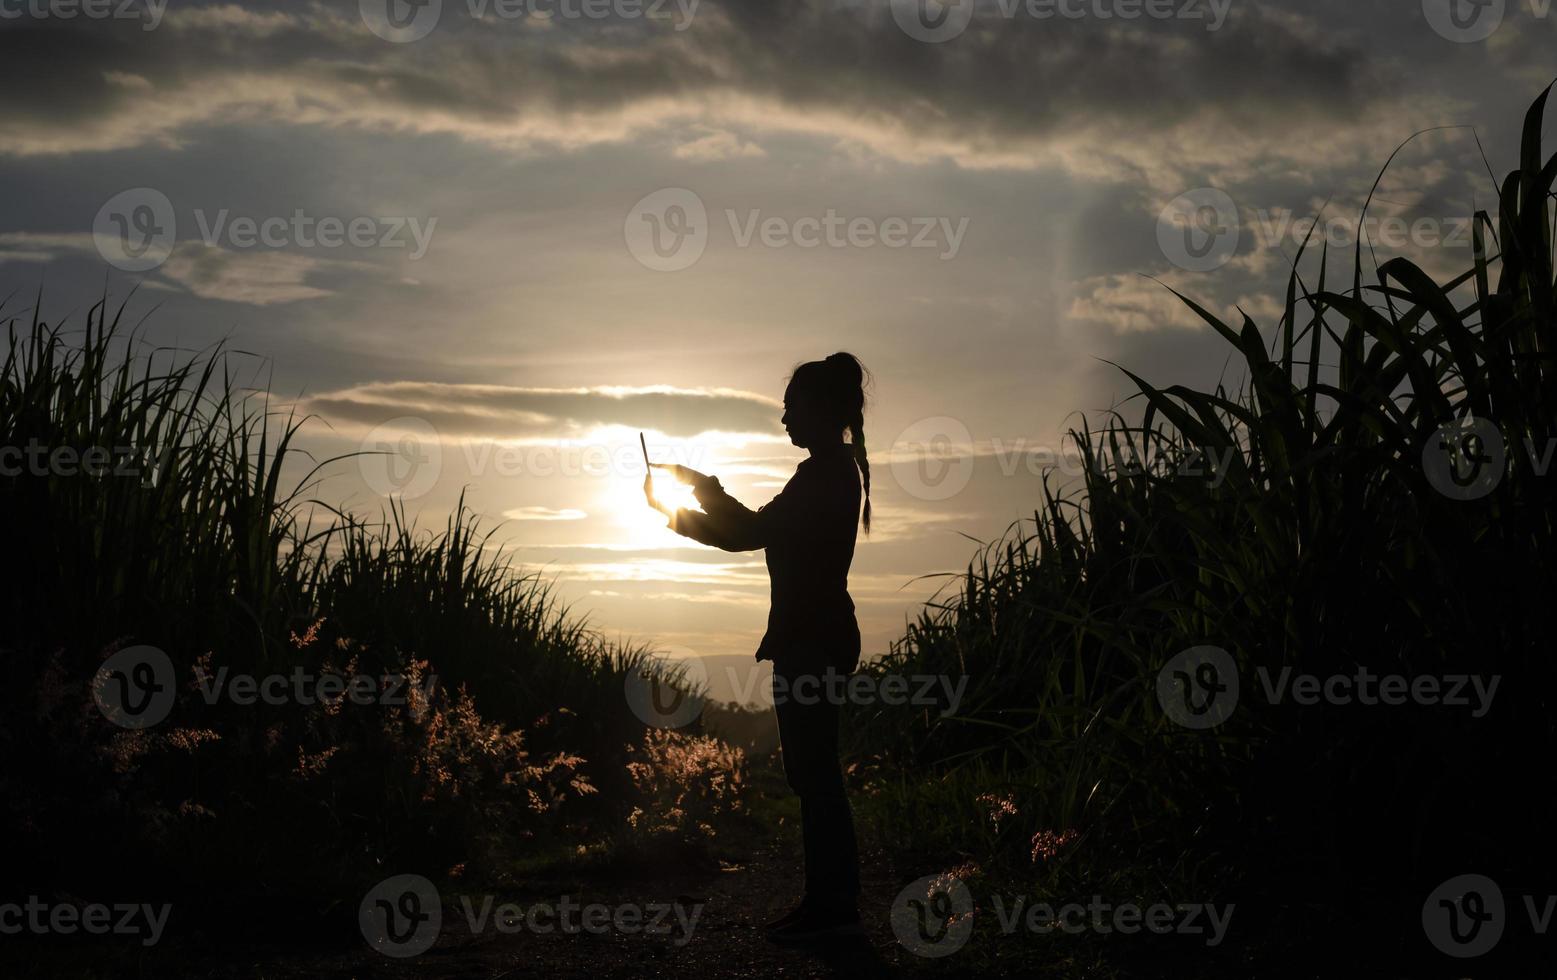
(757, 879)
(726, 941)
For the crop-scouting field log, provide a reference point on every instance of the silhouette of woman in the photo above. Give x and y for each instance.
(813, 639)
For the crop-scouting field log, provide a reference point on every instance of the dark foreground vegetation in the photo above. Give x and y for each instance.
(495, 727)
(1327, 544)
(1296, 523)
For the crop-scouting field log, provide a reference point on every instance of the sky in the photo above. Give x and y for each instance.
(490, 241)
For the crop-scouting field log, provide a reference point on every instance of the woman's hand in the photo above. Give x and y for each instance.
(648, 495)
(682, 474)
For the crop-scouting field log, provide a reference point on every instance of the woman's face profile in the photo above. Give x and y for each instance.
(803, 420)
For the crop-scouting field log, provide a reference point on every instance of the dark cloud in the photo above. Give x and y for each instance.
(844, 68)
(493, 411)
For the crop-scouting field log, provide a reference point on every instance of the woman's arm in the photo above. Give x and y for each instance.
(724, 522)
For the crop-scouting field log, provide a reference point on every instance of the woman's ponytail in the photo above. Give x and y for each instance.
(857, 437)
(850, 394)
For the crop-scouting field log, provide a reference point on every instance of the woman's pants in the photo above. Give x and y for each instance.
(808, 734)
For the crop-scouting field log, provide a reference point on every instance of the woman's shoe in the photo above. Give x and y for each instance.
(787, 917)
(813, 923)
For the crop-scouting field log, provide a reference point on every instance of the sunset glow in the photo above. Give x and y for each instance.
(572, 231)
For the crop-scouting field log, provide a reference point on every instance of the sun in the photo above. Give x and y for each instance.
(669, 493)
(639, 524)
(619, 497)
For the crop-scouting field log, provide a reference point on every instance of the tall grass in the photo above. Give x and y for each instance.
(1318, 544)
(184, 533)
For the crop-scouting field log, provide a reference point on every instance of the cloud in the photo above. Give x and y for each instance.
(1136, 304)
(258, 278)
(544, 514)
(1095, 96)
(1131, 304)
(500, 412)
(749, 573)
(716, 146)
(26, 246)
